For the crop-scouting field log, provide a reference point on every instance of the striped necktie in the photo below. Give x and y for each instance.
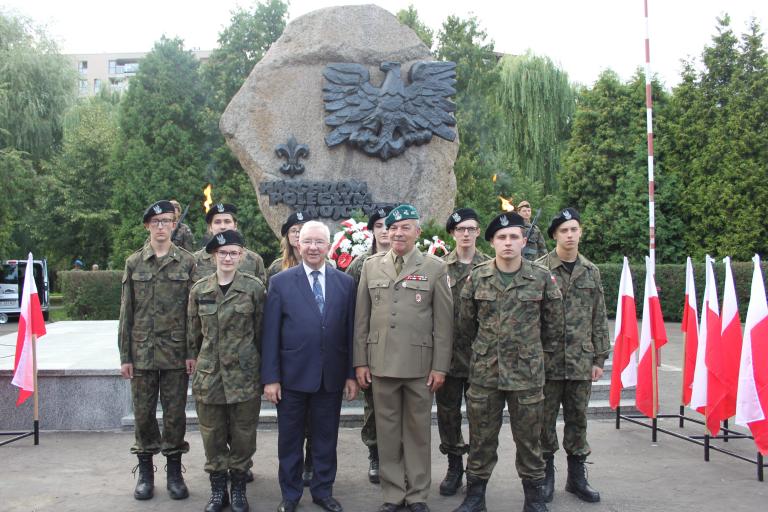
(317, 289)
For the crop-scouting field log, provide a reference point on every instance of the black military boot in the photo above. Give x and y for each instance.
(239, 502)
(373, 464)
(549, 477)
(577, 480)
(474, 501)
(219, 493)
(146, 484)
(452, 481)
(177, 489)
(534, 496)
(306, 475)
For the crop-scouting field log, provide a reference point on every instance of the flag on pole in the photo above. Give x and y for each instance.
(690, 328)
(709, 332)
(653, 336)
(625, 339)
(31, 324)
(752, 397)
(722, 359)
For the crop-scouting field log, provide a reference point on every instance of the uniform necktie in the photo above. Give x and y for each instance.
(317, 289)
(398, 264)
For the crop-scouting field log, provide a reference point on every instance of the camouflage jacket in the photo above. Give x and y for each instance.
(356, 267)
(184, 238)
(153, 309)
(274, 268)
(585, 342)
(509, 327)
(457, 276)
(224, 332)
(536, 246)
(250, 264)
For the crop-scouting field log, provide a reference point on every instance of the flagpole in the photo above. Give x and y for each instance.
(36, 402)
(682, 389)
(649, 125)
(654, 389)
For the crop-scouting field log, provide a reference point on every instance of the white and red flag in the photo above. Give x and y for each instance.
(653, 336)
(690, 328)
(625, 339)
(752, 397)
(31, 324)
(709, 333)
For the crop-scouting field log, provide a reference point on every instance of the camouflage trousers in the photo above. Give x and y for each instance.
(448, 400)
(485, 407)
(574, 395)
(229, 434)
(171, 386)
(368, 432)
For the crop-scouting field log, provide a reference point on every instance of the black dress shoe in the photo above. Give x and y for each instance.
(328, 503)
(418, 507)
(287, 506)
(249, 476)
(389, 507)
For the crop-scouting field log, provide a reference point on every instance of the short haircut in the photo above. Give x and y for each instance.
(312, 224)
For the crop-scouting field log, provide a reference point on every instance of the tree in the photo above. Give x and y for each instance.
(410, 18)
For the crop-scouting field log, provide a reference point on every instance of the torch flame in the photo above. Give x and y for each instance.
(208, 201)
(506, 204)
(494, 178)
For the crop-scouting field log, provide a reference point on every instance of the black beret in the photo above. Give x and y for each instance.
(293, 219)
(228, 237)
(158, 208)
(379, 213)
(563, 216)
(220, 208)
(504, 220)
(460, 216)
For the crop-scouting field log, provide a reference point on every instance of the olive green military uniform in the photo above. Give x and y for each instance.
(251, 263)
(509, 325)
(569, 360)
(225, 333)
(403, 330)
(184, 238)
(152, 336)
(449, 397)
(536, 247)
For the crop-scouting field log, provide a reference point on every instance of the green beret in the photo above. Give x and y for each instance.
(402, 212)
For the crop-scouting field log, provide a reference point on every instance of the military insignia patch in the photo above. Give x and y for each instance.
(397, 215)
(415, 277)
(382, 213)
(567, 215)
(220, 238)
(418, 297)
(503, 220)
(299, 216)
(456, 217)
(220, 208)
(157, 209)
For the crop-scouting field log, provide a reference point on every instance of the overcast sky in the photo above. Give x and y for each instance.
(584, 37)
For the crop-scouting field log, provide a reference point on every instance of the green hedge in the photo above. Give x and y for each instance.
(91, 295)
(670, 281)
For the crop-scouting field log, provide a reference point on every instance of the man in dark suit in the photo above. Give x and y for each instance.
(307, 364)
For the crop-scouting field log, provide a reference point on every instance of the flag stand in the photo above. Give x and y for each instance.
(36, 407)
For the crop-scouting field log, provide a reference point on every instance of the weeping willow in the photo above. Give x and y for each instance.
(538, 104)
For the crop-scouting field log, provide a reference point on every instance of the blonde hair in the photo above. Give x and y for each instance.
(288, 254)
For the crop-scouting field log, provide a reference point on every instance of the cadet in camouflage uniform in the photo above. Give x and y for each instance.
(535, 247)
(576, 359)
(221, 217)
(289, 244)
(511, 309)
(380, 244)
(224, 330)
(464, 226)
(153, 349)
(182, 235)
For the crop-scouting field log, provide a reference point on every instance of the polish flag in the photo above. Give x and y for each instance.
(31, 325)
(723, 359)
(752, 397)
(653, 336)
(690, 328)
(709, 332)
(625, 339)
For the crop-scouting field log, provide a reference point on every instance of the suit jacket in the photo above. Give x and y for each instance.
(404, 323)
(303, 349)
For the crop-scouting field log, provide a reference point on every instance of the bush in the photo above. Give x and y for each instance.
(91, 295)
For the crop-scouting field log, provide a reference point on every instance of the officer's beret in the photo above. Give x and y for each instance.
(402, 212)
(158, 208)
(228, 237)
(504, 220)
(220, 208)
(378, 213)
(523, 203)
(563, 216)
(293, 219)
(459, 216)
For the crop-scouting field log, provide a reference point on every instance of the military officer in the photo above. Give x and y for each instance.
(224, 331)
(464, 226)
(536, 247)
(380, 244)
(511, 309)
(182, 235)
(153, 349)
(577, 358)
(289, 244)
(403, 338)
(221, 217)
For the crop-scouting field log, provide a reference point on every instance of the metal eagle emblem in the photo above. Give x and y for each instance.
(456, 217)
(157, 209)
(220, 208)
(567, 215)
(384, 121)
(503, 220)
(220, 238)
(299, 216)
(382, 213)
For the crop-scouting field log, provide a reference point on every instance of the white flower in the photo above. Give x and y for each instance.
(346, 245)
(358, 237)
(358, 250)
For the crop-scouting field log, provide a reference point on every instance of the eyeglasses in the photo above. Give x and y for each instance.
(294, 231)
(228, 254)
(161, 222)
(316, 243)
(468, 230)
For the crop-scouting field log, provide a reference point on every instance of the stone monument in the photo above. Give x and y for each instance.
(316, 127)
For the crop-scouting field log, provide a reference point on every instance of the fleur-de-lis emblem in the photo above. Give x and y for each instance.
(456, 217)
(157, 209)
(503, 220)
(292, 151)
(220, 238)
(567, 215)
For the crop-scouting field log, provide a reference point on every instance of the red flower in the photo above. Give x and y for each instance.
(343, 260)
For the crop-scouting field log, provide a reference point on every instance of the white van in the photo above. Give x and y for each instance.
(12, 274)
